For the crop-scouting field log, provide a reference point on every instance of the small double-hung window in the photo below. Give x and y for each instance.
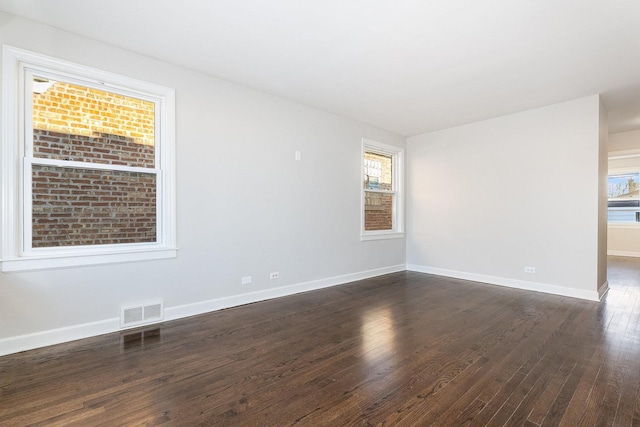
(88, 161)
(382, 191)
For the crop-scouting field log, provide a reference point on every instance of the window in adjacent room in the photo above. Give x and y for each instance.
(382, 201)
(89, 166)
(623, 192)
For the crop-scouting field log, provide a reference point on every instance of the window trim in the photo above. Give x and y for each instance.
(397, 154)
(14, 255)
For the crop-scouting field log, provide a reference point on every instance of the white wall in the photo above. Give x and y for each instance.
(624, 141)
(245, 206)
(624, 240)
(489, 198)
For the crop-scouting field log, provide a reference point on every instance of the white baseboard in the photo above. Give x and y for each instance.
(202, 307)
(624, 253)
(56, 336)
(71, 333)
(513, 283)
(603, 289)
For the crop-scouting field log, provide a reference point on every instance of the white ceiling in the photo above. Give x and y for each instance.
(409, 66)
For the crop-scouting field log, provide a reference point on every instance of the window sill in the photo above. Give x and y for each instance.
(49, 261)
(623, 225)
(381, 235)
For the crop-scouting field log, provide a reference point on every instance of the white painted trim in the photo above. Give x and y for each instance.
(71, 333)
(56, 336)
(16, 252)
(382, 235)
(70, 70)
(381, 147)
(603, 289)
(47, 262)
(9, 155)
(263, 295)
(88, 165)
(398, 172)
(511, 283)
(633, 254)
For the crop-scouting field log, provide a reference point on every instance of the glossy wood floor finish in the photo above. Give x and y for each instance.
(404, 349)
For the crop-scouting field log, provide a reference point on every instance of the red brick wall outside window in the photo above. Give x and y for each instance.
(378, 207)
(78, 205)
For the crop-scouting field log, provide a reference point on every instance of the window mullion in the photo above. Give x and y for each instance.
(27, 207)
(89, 165)
(380, 191)
(25, 107)
(26, 103)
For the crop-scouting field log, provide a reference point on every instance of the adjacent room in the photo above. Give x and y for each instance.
(319, 213)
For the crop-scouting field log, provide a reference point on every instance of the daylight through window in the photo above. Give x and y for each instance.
(95, 181)
(623, 192)
(382, 190)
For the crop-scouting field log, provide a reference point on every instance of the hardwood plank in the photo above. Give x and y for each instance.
(517, 409)
(468, 414)
(507, 359)
(400, 349)
(549, 395)
(630, 389)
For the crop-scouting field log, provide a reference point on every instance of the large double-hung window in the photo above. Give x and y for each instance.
(87, 165)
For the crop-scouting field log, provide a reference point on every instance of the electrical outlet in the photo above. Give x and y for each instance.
(246, 280)
(529, 269)
(274, 275)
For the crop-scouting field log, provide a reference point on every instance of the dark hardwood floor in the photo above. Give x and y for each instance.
(404, 349)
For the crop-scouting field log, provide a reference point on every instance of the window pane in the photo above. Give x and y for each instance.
(624, 186)
(378, 211)
(623, 215)
(378, 171)
(92, 207)
(72, 122)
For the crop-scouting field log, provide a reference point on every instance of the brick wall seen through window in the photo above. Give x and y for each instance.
(378, 207)
(79, 205)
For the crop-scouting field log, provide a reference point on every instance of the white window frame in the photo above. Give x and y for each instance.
(16, 253)
(397, 155)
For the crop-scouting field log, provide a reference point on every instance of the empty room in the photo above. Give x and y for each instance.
(337, 213)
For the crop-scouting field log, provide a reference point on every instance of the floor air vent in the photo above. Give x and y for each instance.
(140, 314)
